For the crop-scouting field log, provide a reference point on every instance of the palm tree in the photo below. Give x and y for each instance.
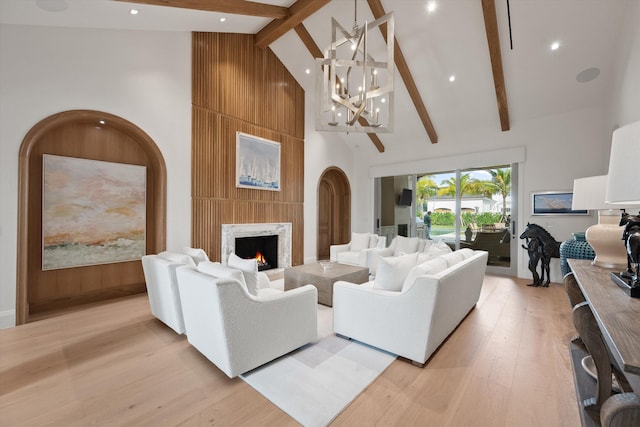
(501, 184)
(425, 188)
(468, 185)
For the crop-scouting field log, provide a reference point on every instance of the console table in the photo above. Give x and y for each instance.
(618, 317)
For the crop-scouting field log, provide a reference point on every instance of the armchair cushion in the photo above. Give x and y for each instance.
(392, 271)
(197, 254)
(249, 268)
(177, 257)
(216, 269)
(359, 241)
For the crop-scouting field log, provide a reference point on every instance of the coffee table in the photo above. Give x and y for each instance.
(323, 280)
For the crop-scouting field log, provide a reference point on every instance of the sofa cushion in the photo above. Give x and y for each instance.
(197, 254)
(466, 252)
(359, 241)
(405, 245)
(216, 269)
(424, 257)
(438, 248)
(349, 257)
(452, 258)
(392, 271)
(433, 266)
(176, 257)
(249, 268)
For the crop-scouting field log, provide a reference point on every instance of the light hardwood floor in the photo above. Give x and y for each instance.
(113, 364)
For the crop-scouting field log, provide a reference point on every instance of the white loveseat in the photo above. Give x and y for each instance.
(238, 331)
(356, 252)
(412, 321)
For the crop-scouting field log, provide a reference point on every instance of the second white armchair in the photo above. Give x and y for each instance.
(356, 251)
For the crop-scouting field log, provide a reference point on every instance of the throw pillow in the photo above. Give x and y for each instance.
(452, 258)
(392, 271)
(197, 254)
(216, 269)
(373, 241)
(439, 248)
(433, 266)
(359, 241)
(176, 257)
(466, 252)
(249, 268)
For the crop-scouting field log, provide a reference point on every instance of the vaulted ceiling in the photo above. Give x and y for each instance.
(498, 51)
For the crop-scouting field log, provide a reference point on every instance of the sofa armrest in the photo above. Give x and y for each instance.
(385, 319)
(334, 250)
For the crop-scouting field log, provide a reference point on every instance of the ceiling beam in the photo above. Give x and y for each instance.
(403, 68)
(298, 12)
(493, 39)
(236, 7)
(315, 51)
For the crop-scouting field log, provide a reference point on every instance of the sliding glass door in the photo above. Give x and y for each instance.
(471, 208)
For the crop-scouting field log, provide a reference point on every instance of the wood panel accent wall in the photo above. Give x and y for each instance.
(240, 87)
(79, 134)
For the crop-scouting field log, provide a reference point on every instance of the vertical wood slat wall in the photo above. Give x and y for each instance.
(240, 87)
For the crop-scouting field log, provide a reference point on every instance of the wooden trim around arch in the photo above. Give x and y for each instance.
(338, 210)
(47, 135)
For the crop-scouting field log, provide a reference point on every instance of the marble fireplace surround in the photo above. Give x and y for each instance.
(282, 229)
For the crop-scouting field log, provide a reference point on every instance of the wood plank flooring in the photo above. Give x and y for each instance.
(113, 364)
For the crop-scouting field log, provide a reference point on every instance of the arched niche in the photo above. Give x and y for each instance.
(334, 210)
(92, 135)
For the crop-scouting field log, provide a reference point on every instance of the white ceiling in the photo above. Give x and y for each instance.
(451, 40)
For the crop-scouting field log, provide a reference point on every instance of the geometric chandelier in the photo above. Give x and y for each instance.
(354, 90)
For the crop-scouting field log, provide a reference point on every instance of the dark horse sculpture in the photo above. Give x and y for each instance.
(542, 247)
(631, 237)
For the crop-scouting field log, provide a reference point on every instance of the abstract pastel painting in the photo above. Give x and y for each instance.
(93, 212)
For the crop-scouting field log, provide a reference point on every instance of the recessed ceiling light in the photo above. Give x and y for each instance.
(432, 6)
(555, 45)
(452, 78)
(223, 19)
(308, 71)
(133, 12)
(101, 122)
(587, 75)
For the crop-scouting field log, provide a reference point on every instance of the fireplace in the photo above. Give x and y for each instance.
(262, 248)
(231, 233)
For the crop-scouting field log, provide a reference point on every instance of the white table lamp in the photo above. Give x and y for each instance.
(605, 237)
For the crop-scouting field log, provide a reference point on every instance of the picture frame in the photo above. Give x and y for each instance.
(257, 163)
(553, 203)
(93, 212)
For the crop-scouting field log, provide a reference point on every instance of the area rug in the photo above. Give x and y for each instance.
(316, 382)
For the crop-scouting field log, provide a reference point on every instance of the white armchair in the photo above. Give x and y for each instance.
(356, 251)
(238, 331)
(162, 287)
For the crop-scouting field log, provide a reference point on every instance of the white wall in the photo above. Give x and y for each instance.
(143, 77)
(321, 151)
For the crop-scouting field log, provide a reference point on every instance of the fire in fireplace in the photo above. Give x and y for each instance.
(263, 248)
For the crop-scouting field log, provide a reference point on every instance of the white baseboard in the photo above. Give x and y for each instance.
(7, 319)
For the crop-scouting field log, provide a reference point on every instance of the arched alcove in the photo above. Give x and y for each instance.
(334, 210)
(90, 135)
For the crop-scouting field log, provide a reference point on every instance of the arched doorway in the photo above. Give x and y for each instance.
(334, 210)
(93, 135)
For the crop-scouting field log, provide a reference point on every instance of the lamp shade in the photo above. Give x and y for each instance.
(590, 193)
(624, 162)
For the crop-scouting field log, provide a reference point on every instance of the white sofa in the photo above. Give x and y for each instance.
(238, 331)
(401, 245)
(434, 297)
(356, 251)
